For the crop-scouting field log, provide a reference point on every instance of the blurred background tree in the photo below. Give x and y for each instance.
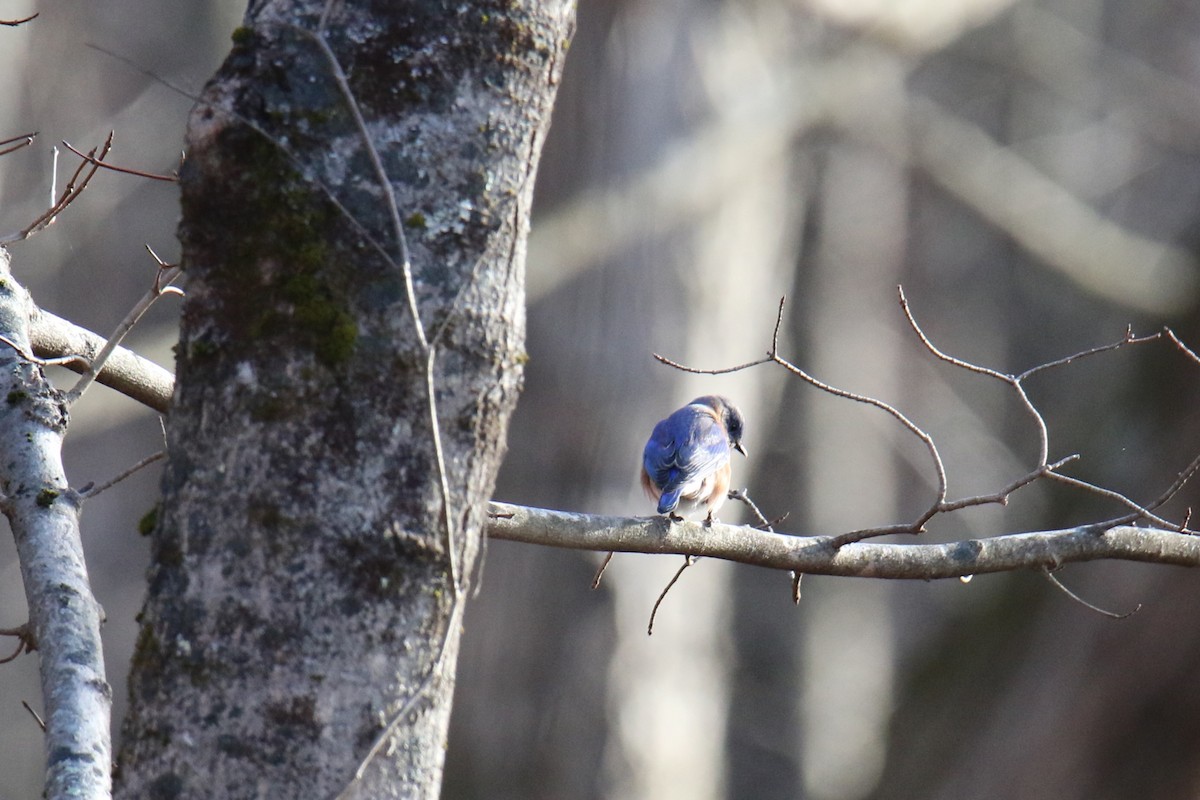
(1028, 170)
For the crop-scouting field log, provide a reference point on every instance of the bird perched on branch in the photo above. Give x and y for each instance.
(686, 463)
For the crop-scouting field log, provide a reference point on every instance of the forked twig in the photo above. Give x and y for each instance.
(75, 186)
(768, 525)
(1043, 469)
(162, 285)
(60, 361)
(15, 143)
(124, 170)
(25, 641)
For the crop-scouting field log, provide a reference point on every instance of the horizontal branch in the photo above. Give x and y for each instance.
(125, 371)
(817, 555)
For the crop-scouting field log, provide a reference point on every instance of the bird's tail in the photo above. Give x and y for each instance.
(668, 501)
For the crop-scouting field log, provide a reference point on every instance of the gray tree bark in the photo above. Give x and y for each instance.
(43, 512)
(355, 205)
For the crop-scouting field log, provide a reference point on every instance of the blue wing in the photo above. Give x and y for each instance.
(683, 449)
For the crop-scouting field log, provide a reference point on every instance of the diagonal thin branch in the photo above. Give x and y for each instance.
(1110, 614)
(15, 143)
(123, 170)
(162, 284)
(75, 186)
(687, 562)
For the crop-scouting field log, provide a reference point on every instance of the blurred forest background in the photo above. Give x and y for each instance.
(1029, 171)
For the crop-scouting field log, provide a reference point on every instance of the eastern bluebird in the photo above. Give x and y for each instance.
(686, 461)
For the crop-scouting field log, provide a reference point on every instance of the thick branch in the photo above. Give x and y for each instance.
(817, 554)
(63, 615)
(124, 371)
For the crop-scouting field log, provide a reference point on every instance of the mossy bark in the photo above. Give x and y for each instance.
(301, 588)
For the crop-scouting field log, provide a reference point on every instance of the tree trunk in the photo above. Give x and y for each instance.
(331, 451)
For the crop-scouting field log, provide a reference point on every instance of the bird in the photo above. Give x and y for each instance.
(686, 464)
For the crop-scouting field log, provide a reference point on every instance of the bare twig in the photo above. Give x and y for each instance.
(1042, 470)
(75, 186)
(768, 525)
(124, 170)
(162, 280)
(145, 462)
(25, 641)
(1187, 351)
(1110, 614)
(687, 562)
(41, 723)
(1140, 512)
(12, 23)
(600, 572)
(435, 668)
(16, 143)
(405, 263)
(58, 361)
(774, 357)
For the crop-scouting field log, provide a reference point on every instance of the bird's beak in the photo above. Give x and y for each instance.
(738, 446)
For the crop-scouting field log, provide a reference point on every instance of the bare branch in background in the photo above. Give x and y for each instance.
(1043, 469)
(1050, 576)
(79, 181)
(123, 170)
(163, 277)
(25, 641)
(12, 23)
(687, 562)
(145, 462)
(1183, 347)
(16, 143)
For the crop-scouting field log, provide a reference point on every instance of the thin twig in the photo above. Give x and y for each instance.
(12, 23)
(25, 641)
(79, 181)
(60, 361)
(389, 194)
(1140, 511)
(774, 357)
(145, 462)
(162, 280)
(1187, 351)
(767, 525)
(16, 143)
(36, 717)
(1128, 339)
(415, 695)
(600, 572)
(687, 562)
(1110, 614)
(124, 170)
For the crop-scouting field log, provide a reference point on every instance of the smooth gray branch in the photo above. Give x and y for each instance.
(124, 370)
(64, 617)
(817, 555)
